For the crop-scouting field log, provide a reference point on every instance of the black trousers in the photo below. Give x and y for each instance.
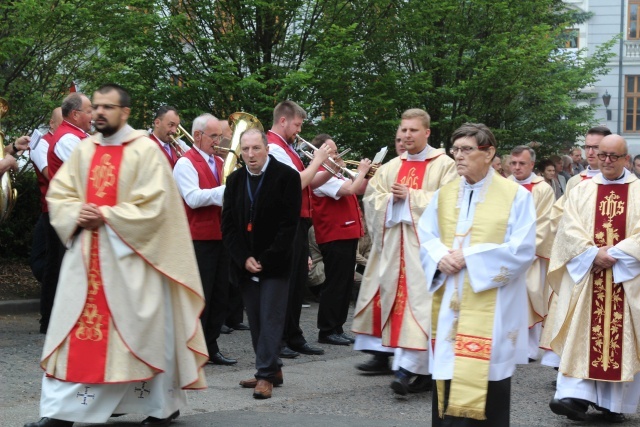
(297, 281)
(497, 408)
(55, 251)
(266, 303)
(213, 264)
(339, 259)
(235, 314)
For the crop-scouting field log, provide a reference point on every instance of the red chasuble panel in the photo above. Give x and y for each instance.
(412, 175)
(607, 299)
(89, 338)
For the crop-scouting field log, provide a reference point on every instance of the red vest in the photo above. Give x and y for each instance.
(43, 182)
(53, 161)
(336, 219)
(274, 138)
(174, 156)
(204, 222)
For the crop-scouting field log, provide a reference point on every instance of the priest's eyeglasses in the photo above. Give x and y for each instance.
(466, 149)
(612, 157)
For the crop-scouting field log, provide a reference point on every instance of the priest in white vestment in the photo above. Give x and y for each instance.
(595, 270)
(523, 159)
(393, 310)
(125, 335)
(478, 238)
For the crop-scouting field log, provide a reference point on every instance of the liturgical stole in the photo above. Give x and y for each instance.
(472, 331)
(89, 338)
(410, 174)
(607, 299)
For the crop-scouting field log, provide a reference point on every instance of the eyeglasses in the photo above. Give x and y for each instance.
(590, 147)
(107, 107)
(214, 136)
(612, 157)
(465, 149)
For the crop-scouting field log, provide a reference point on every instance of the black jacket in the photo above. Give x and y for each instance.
(275, 220)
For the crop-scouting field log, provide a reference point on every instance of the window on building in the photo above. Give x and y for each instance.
(631, 98)
(571, 40)
(633, 24)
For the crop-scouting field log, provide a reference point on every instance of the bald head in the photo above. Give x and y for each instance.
(56, 119)
(613, 145)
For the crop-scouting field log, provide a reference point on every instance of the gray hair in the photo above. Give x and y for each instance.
(521, 149)
(72, 103)
(200, 122)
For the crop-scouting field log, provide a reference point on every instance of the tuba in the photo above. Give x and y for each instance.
(239, 122)
(8, 195)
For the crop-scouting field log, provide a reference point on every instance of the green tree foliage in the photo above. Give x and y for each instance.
(354, 65)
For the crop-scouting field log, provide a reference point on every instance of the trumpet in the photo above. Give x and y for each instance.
(308, 149)
(375, 163)
(181, 133)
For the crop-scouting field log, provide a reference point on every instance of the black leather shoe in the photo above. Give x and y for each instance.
(608, 416)
(225, 329)
(219, 359)
(421, 384)
(240, 327)
(307, 349)
(348, 337)
(49, 422)
(574, 409)
(160, 422)
(378, 364)
(400, 385)
(287, 353)
(333, 339)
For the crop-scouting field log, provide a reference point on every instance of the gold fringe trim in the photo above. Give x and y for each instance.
(440, 388)
(465, 412)
(454, 331)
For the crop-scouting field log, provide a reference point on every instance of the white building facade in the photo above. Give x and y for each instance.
(621, 87)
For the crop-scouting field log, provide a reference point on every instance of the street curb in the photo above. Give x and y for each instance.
(19, 306)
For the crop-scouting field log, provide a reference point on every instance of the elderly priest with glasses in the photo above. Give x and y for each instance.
(595, 269)
(477, 238)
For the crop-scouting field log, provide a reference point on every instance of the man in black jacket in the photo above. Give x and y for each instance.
(259, 219)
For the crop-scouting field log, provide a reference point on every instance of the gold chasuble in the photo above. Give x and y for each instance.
(597, 325)
(122, 282)
(473, 326)
(394, 303)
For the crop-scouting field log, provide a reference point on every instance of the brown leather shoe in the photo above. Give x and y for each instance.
(263, 389)
(253, 382)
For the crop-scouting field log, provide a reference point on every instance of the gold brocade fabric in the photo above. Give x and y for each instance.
(155, 248)
(473, 337)
(383, 267)
(572, 328)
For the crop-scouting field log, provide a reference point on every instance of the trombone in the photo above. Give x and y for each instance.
(181, 133)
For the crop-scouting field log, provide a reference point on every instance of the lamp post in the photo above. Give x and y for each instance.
(606, 98)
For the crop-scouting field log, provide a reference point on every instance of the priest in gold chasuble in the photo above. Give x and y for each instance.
(522, 162)
(595, 270)
(478, 238)
(125, 335)
(394, 307)
(591, 146)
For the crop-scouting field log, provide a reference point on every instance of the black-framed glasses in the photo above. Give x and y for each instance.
(612, 157)
(590, 147)
(466, 149)
(107, 107)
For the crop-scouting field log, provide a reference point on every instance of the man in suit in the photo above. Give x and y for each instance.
(259, 222)
(165, 125)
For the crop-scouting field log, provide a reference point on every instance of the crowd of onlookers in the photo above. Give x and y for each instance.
(557, 169)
